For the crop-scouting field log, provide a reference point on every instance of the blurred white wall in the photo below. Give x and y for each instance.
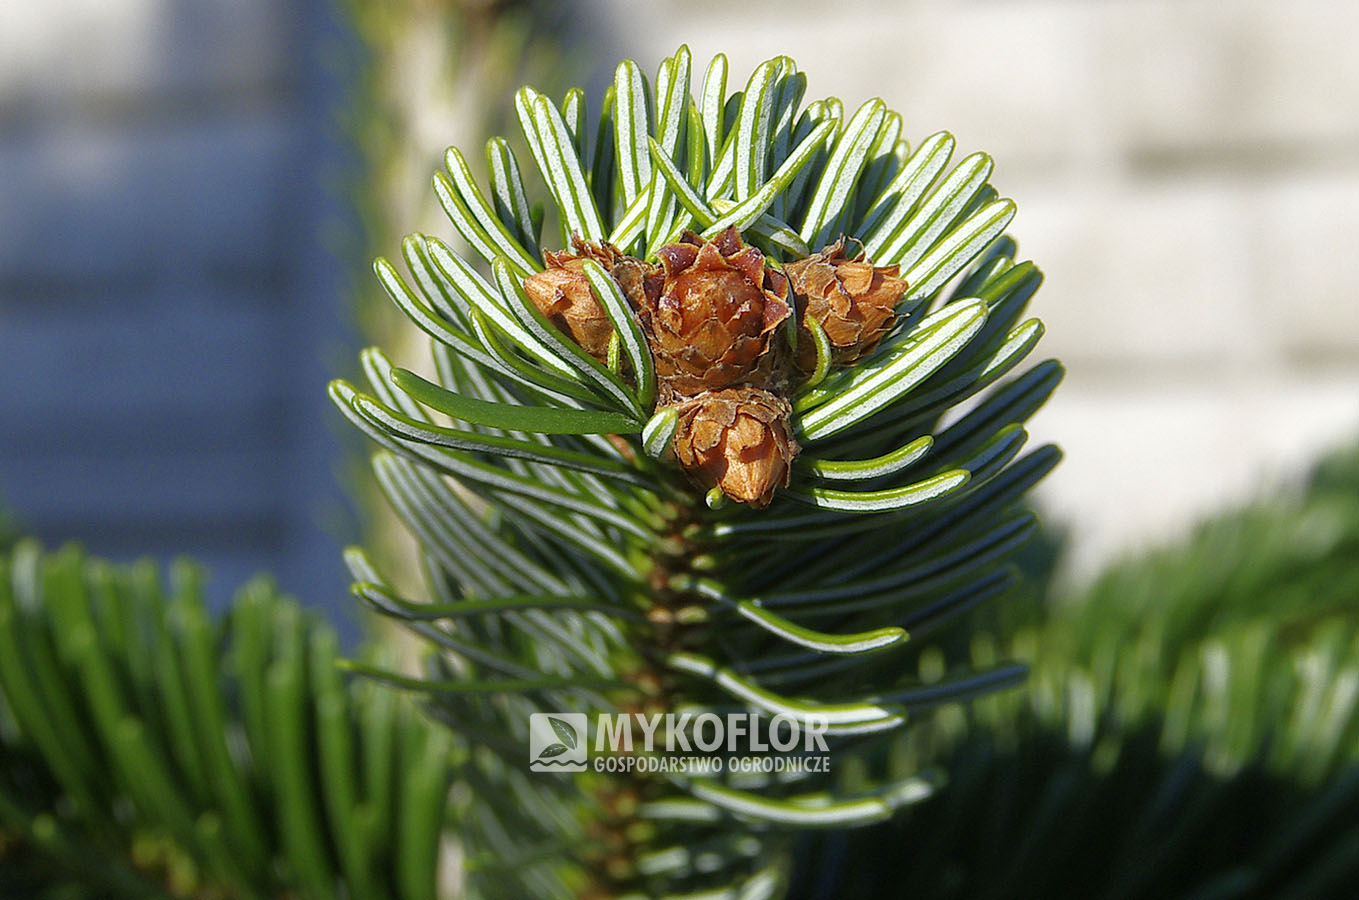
(165, 302)
(1187, 175)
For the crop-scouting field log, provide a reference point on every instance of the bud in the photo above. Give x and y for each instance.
(562, 293)
(711, 325)
(853, 300)
(738, 439)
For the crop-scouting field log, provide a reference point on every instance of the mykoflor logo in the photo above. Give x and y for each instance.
(557, 742)
(678, 743)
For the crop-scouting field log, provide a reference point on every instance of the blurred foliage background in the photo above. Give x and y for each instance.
(1190, 727)
(149, 749)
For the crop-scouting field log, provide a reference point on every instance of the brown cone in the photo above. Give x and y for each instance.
(737, 439)
(562, 292)
(852, 299)
(711, 325)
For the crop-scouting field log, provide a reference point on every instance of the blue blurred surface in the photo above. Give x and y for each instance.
(167, 313)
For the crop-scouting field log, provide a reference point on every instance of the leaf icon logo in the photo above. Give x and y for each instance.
(557, 742)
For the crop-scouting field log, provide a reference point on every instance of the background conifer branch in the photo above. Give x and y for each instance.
(150, 750)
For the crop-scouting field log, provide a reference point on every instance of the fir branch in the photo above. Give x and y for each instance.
(573, 526)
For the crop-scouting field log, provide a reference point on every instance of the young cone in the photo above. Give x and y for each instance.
(738, 440)
(853, 300)
(712, 325)
(562, 292)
